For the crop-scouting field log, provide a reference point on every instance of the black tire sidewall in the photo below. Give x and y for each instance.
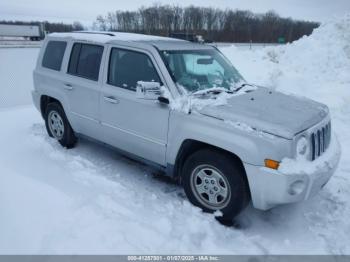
(68, 140)
(233, 172)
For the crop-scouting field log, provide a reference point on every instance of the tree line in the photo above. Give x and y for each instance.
(212, 23)
(49, 26)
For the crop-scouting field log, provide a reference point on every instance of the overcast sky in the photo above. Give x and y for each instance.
(87, 10)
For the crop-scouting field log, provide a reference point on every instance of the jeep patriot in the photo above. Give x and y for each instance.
(182, 107)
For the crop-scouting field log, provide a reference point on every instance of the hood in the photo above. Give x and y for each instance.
(270, 111)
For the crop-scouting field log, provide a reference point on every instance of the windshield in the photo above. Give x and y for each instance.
(197, 70)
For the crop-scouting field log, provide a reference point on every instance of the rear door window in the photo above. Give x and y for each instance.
(85, 61)
(53, 55)
(127, 67)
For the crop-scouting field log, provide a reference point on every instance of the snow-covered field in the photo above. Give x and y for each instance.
(92, 200)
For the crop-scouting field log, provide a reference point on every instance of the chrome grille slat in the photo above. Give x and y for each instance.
(316, 144)
(313, 147)
(327, 135)
(320, 140)
(319, 143)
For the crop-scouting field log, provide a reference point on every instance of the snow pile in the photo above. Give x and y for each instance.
(323, 59)
(317, 66)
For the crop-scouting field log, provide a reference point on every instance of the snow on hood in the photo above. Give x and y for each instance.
(198, 100)
(255, 108)
(270, 111)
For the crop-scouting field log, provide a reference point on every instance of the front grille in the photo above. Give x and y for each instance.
(320, 140)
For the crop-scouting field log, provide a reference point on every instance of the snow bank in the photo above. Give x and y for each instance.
(317, 66)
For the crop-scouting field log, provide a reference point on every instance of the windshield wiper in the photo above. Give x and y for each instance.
(219, 90)
(214, 90)
(242, 86)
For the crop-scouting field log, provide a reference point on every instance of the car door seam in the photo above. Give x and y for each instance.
(135, 134)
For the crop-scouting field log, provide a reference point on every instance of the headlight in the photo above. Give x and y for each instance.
(302, 146)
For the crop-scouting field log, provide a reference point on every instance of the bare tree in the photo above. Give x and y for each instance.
(77, 26)
(101, 23)
(214, 24)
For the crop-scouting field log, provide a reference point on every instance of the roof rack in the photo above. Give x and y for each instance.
(94, 33)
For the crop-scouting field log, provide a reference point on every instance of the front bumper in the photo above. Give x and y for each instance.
(294, 181)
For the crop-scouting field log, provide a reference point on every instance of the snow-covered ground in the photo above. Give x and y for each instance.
(92, 200)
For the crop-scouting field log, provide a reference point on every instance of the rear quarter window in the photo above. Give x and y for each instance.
(53, 55)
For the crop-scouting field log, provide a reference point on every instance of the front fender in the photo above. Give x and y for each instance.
(252, 147)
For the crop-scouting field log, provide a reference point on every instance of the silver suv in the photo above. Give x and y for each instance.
(184, 109)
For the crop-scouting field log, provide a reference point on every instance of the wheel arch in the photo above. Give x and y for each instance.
(190, 146)
(45, 100)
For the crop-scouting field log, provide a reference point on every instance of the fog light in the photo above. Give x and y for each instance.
(297, 187)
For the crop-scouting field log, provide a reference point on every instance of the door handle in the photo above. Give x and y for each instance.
(111, 99)
(68, 86)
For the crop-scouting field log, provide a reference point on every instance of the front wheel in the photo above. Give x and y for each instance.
(57, 125)
(214, 180)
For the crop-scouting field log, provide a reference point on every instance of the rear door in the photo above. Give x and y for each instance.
(82, 84)
(135, 125)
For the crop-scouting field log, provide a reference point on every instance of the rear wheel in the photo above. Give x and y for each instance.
(214, 180)
(58, 127)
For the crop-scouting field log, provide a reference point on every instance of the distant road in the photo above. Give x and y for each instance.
(19, 43)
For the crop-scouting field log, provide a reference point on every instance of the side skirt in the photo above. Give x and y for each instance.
(168, 170)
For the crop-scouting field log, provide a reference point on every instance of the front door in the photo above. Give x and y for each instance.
(135, 125)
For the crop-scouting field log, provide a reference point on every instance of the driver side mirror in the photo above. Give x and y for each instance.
(148, 90)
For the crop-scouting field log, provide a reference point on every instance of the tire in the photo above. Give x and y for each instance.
(58, 127)
(208, 165)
